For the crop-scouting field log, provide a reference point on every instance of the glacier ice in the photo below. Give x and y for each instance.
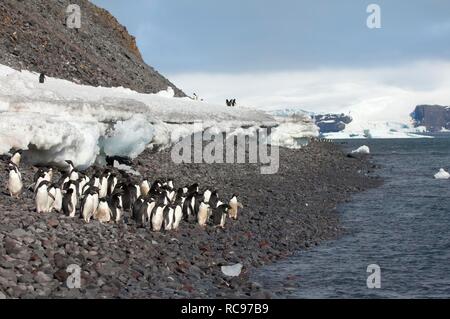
(61, 120)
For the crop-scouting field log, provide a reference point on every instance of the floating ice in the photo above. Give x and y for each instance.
(442, 174)
(232, 271)
(362, 150)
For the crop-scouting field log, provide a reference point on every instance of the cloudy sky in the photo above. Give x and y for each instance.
(319, 55)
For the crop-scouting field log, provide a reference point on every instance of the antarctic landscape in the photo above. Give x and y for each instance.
(118, 183)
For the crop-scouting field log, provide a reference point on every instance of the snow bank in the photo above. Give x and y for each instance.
(61, 120)
(442, 174)
(362, 150)
(295, 128)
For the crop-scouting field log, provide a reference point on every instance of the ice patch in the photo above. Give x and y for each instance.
(362, 150)
(442, 174)
(232, 271)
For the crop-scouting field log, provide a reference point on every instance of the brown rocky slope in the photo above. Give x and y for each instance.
(33, 36)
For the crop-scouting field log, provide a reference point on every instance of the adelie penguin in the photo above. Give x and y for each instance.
(158, 217)
(15, 184)
(57, 203)
(234, 205)
(70, 200)
(89, 204)
(115, 205)
(42, 197)
(219, 215)
(203, 214)
(103, 214)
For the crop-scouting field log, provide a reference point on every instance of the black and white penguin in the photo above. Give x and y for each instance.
(178, 212)
(203, 214)
(158, 217)
(112, 183)
(104, 184)
(139, 213)
(115, 204)
(103, 213)
(234, 205)
(15, 184)
(214, 199)
(219, 215)
(189, 206)
(16, 157)
(42, 197)
(57, 203)
(169, 217)
(51, 196)
(42, 77)
(129, 196)
(69, 203)
(89, 204)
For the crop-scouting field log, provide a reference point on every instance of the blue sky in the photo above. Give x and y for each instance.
(266, 35)
(233, 48)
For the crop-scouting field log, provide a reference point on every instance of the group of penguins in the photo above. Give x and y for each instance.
(109, 197)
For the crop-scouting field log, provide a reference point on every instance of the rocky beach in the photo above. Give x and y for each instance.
(292, 210)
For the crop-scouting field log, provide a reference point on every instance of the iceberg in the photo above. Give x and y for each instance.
(442, 174)
(362, 150)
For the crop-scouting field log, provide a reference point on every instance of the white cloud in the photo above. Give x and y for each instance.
(388, 93)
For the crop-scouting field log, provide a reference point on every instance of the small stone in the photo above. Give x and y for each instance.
(42, 277)
(53, 223)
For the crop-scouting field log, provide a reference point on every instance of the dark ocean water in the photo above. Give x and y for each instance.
(403, 226)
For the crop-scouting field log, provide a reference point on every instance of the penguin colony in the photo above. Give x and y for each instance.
(111, 198)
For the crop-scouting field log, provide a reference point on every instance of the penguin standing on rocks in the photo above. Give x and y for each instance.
(103, 214)
(139, 213)
(169, 217)
(42, 197)
(219, 215)
(70, 202)
(89, 205)
(158, 217)
(234, 205)
(57, 203)
(16, 158)
(115, 204)
(178, 212)
(203, 213)
(15, 184)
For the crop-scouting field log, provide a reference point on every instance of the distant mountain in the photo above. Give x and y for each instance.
(33, 36)
(434, 117)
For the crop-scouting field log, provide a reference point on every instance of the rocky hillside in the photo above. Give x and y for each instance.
(33, 36)
(433, 117)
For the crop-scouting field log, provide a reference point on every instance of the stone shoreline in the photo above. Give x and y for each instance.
(292, 210)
